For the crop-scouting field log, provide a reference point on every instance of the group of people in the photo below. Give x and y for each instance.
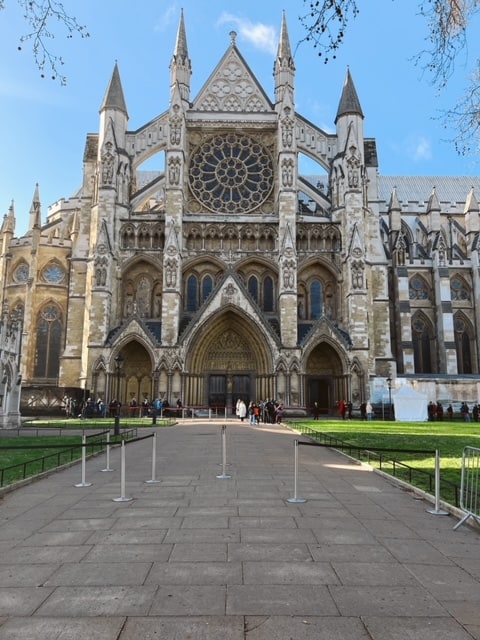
(91, 408)
(436, 413)
(152, 408)
(268, 411)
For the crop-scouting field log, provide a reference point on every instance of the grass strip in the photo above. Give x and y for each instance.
(402, 438)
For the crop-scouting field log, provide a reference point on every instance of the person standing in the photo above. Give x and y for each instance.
(363, 411)
(369, 410)
(241, 409)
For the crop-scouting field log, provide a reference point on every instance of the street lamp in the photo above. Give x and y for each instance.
(389, 385)
(118, 373)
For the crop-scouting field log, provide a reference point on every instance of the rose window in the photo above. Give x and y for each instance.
(231, 174)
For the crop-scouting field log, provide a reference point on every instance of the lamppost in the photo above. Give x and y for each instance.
(118, 373)
(389, 385)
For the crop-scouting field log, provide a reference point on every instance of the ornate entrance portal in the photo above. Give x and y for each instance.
(224, 390)
(326, 382)
(230, 362)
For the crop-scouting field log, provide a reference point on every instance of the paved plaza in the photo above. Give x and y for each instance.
(196, 556)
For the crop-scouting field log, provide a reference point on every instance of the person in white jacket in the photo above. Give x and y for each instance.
(241, 409)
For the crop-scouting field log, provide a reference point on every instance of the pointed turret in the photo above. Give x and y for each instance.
(349, 102)
(114, 98)
(35, 210)
(471, 211)
(433, 212)
(8, 225)
(349, 121)
(181, 66)
(284, 67)
(114, 110)
(395, 211)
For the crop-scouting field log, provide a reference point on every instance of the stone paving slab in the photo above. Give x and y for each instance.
(195, 556)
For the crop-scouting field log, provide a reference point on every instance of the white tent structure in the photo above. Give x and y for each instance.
(409, 405)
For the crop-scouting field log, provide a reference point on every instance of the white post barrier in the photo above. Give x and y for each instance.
(122, 497)
(154, 461)
(437, 511)
(224, 475)
(83, 483)
(295, 477)
(107, 451)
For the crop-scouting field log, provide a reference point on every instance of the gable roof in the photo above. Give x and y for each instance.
(232, 87)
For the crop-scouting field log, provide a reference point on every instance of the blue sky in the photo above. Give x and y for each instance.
(43, 125)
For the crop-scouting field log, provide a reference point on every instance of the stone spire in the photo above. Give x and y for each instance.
(181, 66)
(395, 212)
(8, 225)
(433, 211)
(472, 212)
(349, 102)
(284, 67)
(114, 98)
(113, 112)
(35, 210)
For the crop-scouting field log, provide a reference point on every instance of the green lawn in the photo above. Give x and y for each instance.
(25, 457)
(449, 438)
(42, 445)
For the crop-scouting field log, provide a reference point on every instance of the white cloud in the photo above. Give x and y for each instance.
(169, 16)
(423, 150)
(262, 36)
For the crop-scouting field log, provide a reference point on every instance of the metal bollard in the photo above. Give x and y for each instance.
(107, 468)
(83, 483)
(122, 497)
(154, 461)
(224, 475)
(437, 511)
(295, 477)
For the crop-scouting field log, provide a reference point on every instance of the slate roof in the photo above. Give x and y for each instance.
(449, 189)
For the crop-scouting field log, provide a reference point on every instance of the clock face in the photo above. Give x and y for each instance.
(231, 174)
(21, 273)
(53, 273)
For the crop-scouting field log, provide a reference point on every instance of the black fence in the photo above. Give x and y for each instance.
(60, 455)
(384, 460)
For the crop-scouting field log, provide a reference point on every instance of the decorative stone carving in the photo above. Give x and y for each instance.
(175, 126)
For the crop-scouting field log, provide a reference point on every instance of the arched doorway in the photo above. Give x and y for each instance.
(325, 378)
(229, 359)
(135, 378)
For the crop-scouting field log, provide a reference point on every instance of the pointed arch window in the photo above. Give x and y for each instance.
(192, 293)
(459, 289)
(268, 295)
(49, 341)
(316, 302)
(463, 344)
(418, 289)
(207, 287)
(421, 338)
(253, 287)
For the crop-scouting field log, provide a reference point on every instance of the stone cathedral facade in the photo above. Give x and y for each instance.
(227, 273)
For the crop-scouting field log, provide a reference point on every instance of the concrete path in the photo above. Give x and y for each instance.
(194, 556)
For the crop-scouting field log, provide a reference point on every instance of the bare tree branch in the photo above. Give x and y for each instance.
(465, 117)
(39, 15)
(447, 26)
(326, 23)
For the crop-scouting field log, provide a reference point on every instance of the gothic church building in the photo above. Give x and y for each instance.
(229, 274)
